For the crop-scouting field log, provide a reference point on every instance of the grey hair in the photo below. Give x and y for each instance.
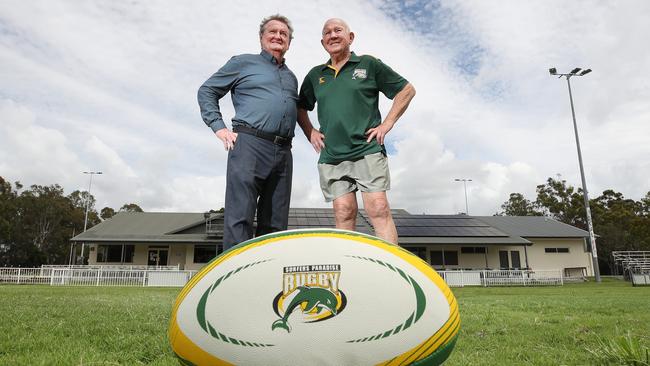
(280, 18)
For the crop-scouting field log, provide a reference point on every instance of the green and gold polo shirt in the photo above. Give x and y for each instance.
(348, 104)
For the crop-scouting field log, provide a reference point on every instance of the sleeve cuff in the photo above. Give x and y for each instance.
(217, 125)
(302, 105)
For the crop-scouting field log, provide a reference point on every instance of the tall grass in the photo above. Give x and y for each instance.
(621, 350)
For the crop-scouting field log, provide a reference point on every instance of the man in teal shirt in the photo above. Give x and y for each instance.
(351, 136)
(260, 164)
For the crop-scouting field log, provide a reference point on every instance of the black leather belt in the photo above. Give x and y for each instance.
(278, 140)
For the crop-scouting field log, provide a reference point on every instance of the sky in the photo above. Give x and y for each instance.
(111, 87)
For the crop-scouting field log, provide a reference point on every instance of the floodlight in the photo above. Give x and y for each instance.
(592, 239)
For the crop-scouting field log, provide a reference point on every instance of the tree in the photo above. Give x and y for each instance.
(619, 223)
(645, 205)
(517, 205)
(106, 213)
(8, 214)
(48, 219)
(36, 224)
(130, 207)
(7, 208)
(562, 202)
(78, 201)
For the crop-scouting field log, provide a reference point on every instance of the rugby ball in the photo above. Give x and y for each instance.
(315, 297)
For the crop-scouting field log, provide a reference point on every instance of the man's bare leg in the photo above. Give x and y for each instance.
(378, 210)
(345, 211)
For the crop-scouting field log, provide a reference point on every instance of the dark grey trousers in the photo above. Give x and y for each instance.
(258, 178)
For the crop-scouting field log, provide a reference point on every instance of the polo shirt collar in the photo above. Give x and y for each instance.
(269, 57)
(353, 58)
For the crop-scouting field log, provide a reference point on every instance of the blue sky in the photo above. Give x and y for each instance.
(111, 86)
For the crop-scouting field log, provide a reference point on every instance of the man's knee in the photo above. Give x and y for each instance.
(377, 208)
(345, 210)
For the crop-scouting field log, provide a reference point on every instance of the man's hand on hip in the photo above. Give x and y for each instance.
(317, 140)
(379, 132)
(227, 137)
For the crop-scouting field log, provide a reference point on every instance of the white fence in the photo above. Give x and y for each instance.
(111, 276)
(462, 278)
(95, 277)
(113, 266)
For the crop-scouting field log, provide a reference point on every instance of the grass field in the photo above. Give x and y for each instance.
(42, 325)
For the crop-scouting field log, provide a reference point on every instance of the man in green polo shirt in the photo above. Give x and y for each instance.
(351, 137)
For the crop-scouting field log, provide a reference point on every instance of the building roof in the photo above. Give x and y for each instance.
(167, 227)
(147, 227)
(534, 226)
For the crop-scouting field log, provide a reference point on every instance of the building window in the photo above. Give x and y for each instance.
(515, 259)
(419, 251)
(451, 258)
(473, 250)
(444, 258)
(206, 253)
(115, 253)
(129, 250)
(556, 250)
(436, 258)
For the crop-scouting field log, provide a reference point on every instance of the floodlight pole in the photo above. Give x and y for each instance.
(464, 180)
(590, 226)
(90, 183)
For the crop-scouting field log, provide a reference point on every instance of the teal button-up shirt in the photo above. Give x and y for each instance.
(263, 93)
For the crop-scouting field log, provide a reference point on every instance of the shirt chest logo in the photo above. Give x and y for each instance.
(359, 74)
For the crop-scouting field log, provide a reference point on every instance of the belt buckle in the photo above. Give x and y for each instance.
(278, 140)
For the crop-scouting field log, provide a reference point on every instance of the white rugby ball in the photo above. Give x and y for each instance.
(315, 297)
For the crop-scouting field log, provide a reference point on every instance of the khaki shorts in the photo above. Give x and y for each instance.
(369, 174)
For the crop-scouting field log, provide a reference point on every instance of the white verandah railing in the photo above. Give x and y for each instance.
(109, 276)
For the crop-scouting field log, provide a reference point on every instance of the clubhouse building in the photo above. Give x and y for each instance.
(447, 242)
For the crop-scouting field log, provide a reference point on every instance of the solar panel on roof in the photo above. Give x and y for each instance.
(446, 222)
(437, 231)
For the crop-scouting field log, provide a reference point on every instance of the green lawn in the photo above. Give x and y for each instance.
(42, 325)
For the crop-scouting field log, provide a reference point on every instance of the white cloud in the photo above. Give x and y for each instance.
(112, 87)
(31, 153)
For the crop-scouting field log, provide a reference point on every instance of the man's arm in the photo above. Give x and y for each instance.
(400, 103)
(306, 101)
(208, 97)
(314, 136)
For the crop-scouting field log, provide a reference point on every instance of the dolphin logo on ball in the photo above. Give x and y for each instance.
(310, 299)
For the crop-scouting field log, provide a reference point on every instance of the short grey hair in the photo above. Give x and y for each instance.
(280, 18)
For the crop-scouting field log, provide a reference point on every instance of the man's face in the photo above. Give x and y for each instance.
(275, 37)
(337, 38)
